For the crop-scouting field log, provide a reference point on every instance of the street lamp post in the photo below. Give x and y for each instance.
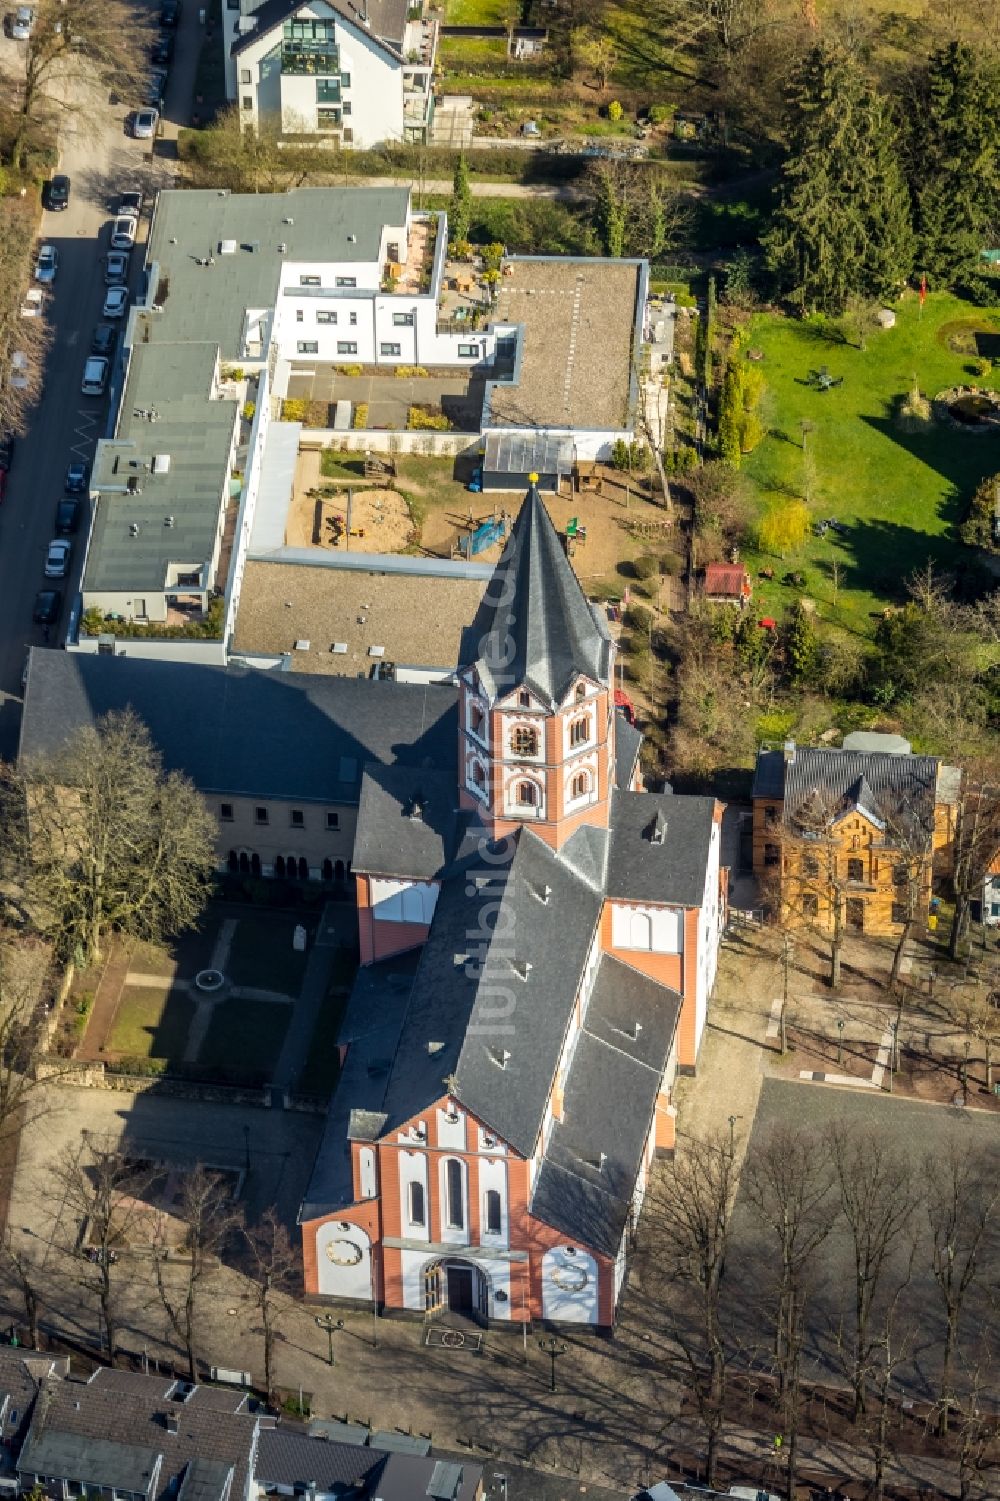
(732, 1134)
(553, 1349)
(840, 1040)
(331, 1325)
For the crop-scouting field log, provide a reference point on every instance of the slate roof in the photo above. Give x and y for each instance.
(587, 1176)
(488, 1013)
(387, 17)
(535, 625)
(407, 822)
(628, 741)
(289, 1459)
(114, 1425)
(297, 736)
(671, 872)
(898, 791)
(92, 1461)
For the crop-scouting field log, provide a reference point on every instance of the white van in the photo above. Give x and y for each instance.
(95, 376)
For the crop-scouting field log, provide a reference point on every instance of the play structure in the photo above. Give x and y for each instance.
(481, 534)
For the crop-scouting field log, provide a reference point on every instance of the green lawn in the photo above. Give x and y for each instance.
(151, 1023)
(477, 12)
(244, 1038)
(262, 957)
(466, 51)
(901, 496)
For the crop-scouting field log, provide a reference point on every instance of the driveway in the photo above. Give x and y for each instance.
(100, 160)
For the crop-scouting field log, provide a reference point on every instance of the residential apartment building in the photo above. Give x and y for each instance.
(356, 75)
(540, 942)
(852, 838)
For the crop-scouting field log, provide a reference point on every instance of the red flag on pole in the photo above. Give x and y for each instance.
(923, 290)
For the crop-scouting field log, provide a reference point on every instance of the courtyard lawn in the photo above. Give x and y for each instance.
(900, 495)
(151, 1023)
(244, 1039)
(262, 957)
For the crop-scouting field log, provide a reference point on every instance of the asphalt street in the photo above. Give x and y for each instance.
(101, 161)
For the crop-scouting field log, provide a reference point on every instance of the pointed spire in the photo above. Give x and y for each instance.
(535, 627)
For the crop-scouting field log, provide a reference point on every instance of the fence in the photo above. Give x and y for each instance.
(430, 445)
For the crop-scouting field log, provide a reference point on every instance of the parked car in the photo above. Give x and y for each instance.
(7, 442)
(162, 50)
(48, 603)
(55, 195)
(116, 268)
(115, 303)
(77, 475)
(47, 264)
(95, 376)
(22, 24)
(170, 14)
(34, 303)
(57, 558)
(145, 123)
(123, 232)
(67, 516)
(104, 339)
(130, 203)
(156, 87)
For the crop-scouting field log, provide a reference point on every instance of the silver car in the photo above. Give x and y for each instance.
(116, 302)
(115, 268)
(145, 123)
(47, 264)
(57, 558)
(123, 232)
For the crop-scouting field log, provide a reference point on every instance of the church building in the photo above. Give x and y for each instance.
(539, 946)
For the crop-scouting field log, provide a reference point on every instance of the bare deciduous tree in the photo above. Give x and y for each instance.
(977, 840)
(104, 840)
(789, 1182)
(697, 1208)
(274, 1268)
(22, 1268)
(23, 340)
(207, 1213)
(961, 1207)
(101, 1188)
(75, 46)
(877, 1199)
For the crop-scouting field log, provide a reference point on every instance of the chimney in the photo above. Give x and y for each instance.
(789, 752)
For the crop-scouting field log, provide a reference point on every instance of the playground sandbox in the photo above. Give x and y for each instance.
(380, 520)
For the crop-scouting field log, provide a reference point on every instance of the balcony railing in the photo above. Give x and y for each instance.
(320, 58)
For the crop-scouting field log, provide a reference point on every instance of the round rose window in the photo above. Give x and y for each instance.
(572, 1279)
(344, 1252)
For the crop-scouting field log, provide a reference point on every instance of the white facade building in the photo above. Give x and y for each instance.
(358, 75)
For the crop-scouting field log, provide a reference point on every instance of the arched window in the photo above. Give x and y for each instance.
(640, 931)
(279, 865)
(338, 870)
(454, 1197)
(303, 868)
(492, 1216)
(477, 720)
(478, 774)
(580, 785)
(244, 863)
(417, 1206)
(581, 690)
(233, 861)
(579, 731)
(524, 741)
(328, 869)
(255, 865)
(527, 794)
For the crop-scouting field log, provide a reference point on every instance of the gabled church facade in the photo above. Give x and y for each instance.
(539, 945)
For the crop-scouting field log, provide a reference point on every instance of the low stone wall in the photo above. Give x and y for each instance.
(98, 1076)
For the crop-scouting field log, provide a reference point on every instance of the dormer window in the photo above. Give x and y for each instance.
(477, 721)
(581, 690)
(524, 698)
(524, 741)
